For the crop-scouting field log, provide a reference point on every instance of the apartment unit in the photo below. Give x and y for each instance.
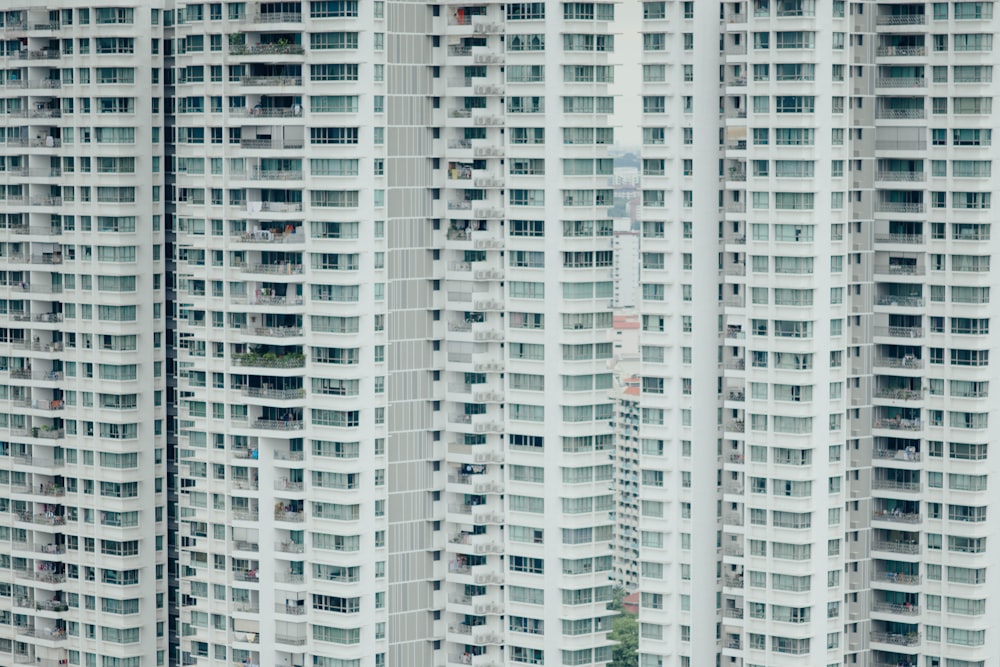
(824, 168)
(82, 461)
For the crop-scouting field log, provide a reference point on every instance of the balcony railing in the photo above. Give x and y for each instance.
(900, 362)
(899, 424)
(276, 174)
(265, 49)
(896, 547)
(902, 239)
(900, 207)
(898, 517)
(910, 639)
(895, 485)
(900, 269)
(898, 578)
(271, 81)
(269, 143)
(888, 51)
(891, 608)
(274, 269)
(278, 394)
(900, 176)
(897, 300)
(275, 17)
(900, 19)
(900, 82)
(279, 424)
(897, 454)
(899, 332)
(269, 361)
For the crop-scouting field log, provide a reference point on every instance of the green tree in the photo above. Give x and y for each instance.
(625, 631)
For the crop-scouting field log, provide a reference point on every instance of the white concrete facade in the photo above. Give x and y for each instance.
(82, 462)
(282, 324)
(528, 288)
(394, 286)
(839, 210)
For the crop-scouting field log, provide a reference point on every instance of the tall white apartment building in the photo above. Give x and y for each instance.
(816, 241)
(528, 285)
(394, 283)
(281, 305)
(82, 462)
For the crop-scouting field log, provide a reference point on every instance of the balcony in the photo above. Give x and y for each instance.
(910, 639)
(899, 424)
(898, 578)
(49, 577)
(279, 424)
(899, 332)
(45, 519)
(732, 518)
(279, 81)
(908, 363)
(899, 300)
(897, 454)
(292, 609)
(900, 82)
(901, 239)
(906, 113)
(895, 485)
(899, 207)
(258, 174)
(285, 484)
(272, 332)
(269, 360)
(900, 19)
(269, 144)
(905, 51)
(901, 609)
(277, 394)
(900, 177)
(900, 269)
(896, 517)
(265, 49)
(908, 547)
(292, 517)
(289, 547)
(275, 206)
(274, 17)
(51, 605)
(245, 484)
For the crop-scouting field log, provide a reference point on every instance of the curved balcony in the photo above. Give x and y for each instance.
(253, 360)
